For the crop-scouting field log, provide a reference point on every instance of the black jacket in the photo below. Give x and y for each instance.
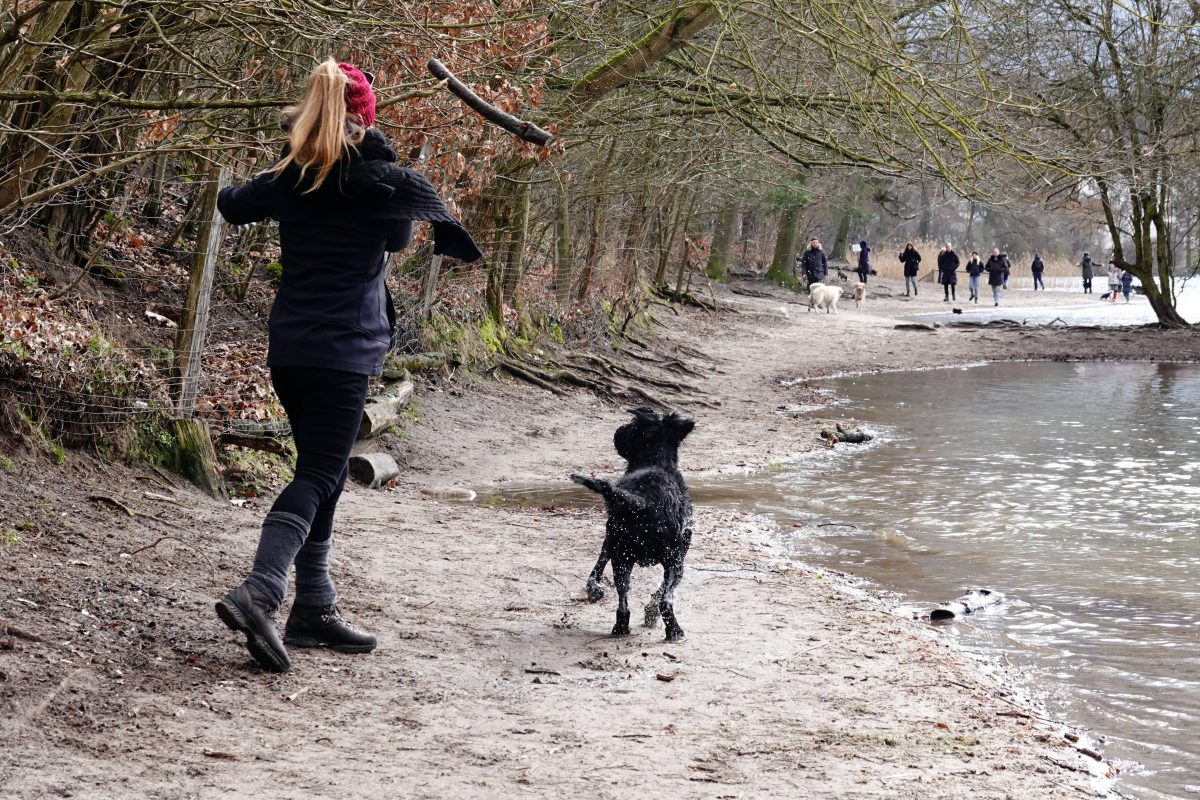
(910, 259)
(947, 264)
(997, 269)
(974, 267)
(333, 309)
(1037, 266)
(864, 257)
(814, 265)
(1086, 266)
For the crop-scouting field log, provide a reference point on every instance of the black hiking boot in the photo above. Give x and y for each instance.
(242, 611)
(324, 626)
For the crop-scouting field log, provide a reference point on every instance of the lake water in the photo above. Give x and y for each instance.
(1072, 488)
(1136, 312)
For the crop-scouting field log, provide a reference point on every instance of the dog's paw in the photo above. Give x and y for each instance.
(595, 592)
(652, 616)
(621, 629)
(675, 635)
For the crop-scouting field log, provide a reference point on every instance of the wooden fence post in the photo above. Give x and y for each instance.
(195, 457)
(431, 279)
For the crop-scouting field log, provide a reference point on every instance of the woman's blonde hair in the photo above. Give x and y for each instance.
(320, 131)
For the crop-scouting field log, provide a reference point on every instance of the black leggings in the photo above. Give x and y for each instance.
(862, 275)
(1037, 281)
(324, 407)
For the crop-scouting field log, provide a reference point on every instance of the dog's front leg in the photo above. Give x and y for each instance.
(622, 570)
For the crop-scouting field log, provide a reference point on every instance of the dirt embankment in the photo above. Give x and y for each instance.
(493, 678)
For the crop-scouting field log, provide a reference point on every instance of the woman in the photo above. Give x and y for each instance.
(910, 258)
(997, 270)
(342, 204)
(974, 270)
(864, 261)
(948, 271)
(1126, 284)
(1114, 281)
(1037, 268)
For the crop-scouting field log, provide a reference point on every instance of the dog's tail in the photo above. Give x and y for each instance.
(597, 485)
(613, 496)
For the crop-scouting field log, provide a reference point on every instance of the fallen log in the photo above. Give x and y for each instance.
(916, 326)
(969, 603)
(267, 444)
(373, 469)
(855, 436)
(383, 411)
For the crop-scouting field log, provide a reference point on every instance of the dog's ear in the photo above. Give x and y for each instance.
(645, 413)
(679, 427)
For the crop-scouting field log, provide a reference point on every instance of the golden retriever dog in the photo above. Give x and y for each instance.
(860, 294)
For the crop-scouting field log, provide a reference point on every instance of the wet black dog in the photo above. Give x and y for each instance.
(649, 515)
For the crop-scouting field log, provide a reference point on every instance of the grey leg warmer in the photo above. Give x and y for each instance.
(283, 536)
(313, 584)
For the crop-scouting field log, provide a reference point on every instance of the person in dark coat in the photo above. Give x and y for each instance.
(814, 264)
(910, 258)
(1126, 284)
(1037, 268)
(864, 261)
(342, 204)
(1086, 267)
(974, 270)
(997, 270)
(948, 271)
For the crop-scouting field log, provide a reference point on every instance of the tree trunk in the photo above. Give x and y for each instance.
(718, 257)
(562, 247)
(515, 269)
(668, 244)
(782, 269)
(838, 251)
(593, 252)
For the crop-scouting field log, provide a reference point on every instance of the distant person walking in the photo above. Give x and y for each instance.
(948, 271)
(1037, 268)
(974, 270)
(1085, 267)
(814, 264)
(1114, 280)
(864, 261)
(910, 258)
(997, 270)
(1126, 284)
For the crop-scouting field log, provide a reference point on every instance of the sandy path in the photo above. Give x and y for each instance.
(493, 679)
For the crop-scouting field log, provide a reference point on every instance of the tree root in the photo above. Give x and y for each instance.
(526, 375)
(685, 298)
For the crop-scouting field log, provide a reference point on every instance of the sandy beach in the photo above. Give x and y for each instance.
(494, 677)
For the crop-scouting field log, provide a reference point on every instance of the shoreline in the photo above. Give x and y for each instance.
(493, 678)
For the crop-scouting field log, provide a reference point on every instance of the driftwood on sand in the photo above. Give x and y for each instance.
(849, 436)
(969, 603)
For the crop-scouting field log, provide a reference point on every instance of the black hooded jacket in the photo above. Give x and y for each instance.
(910, 259)
(947, 262)
(333, 309)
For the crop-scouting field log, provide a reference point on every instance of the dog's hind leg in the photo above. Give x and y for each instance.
(652, 611)
(622, 570)
(672, 575)
(595, 589)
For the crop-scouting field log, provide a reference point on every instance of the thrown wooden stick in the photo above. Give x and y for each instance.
(517, 127)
